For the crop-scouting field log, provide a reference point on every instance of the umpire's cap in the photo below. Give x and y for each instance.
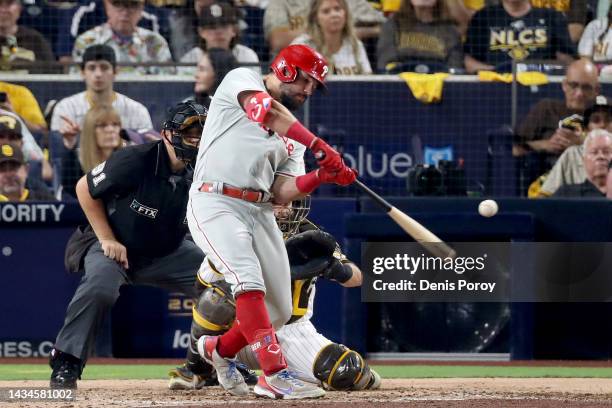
(290, 58)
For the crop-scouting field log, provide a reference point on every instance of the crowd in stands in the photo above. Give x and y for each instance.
(205, 39)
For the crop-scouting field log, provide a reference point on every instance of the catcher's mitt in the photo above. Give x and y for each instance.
(310, 253)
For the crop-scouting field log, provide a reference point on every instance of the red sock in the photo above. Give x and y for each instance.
(231, 342)
(256, 328)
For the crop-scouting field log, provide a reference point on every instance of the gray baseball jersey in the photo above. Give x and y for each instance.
(241, 237)
(238, 151)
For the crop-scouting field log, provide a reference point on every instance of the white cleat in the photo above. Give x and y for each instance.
(285, 385)
(227, 372)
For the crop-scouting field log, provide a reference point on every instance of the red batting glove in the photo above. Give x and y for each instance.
(327, 157)
(346, 176)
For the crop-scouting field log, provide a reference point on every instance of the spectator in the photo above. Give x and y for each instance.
(575, 12)
(98, 69)
(211, 69)
(569, 169)
(20, 101)
(99, 139)
(540, 134)
(421, 31)
(31, 150)
(87, 14)
(609, 182)
(13, 175)
(596, 40)
(284, 20)
(21, 44)
(132, 44)
(184, 26)
(217, 29)
(597, 156)
(330, 30)
(515, 30)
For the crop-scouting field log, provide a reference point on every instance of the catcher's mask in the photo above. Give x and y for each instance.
(289, 217)
(181, 121)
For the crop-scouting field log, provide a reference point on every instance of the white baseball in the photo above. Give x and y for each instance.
(487, 208)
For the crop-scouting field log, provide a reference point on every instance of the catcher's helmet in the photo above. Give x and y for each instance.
(289, 218)
(290, 58)
(183, 116)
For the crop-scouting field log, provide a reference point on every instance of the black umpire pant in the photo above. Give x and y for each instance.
(99, 290)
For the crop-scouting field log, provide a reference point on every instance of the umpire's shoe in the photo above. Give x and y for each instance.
(227, 370)
(285, 385)
(66, 370)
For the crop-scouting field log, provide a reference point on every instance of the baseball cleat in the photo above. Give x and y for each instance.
(227, 370)
(182, 378)
(285, 385)
(375, 381)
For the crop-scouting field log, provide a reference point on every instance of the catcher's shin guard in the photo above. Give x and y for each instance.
(340, 368)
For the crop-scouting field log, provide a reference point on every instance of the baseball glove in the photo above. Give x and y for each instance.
(310, 253)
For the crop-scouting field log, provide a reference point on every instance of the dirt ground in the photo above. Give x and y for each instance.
(472, 392)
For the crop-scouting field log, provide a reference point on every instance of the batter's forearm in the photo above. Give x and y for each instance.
(94, 211)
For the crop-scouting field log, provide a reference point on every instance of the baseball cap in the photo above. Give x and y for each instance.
(601, 104)
(99, 52)
(126, 3)
(9, 124)
(11, 153)
(217, 15)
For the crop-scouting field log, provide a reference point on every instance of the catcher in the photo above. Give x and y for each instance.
(310, 355)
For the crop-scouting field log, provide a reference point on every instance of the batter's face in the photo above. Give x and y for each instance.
(294, 94)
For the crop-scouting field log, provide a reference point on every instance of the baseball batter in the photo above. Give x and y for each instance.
(252, 155)
(313, 357)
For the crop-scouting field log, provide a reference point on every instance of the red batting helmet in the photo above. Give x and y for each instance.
(299, 56)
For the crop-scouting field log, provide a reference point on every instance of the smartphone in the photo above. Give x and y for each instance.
(3, 97)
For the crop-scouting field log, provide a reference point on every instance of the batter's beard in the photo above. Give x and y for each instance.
(290, 103)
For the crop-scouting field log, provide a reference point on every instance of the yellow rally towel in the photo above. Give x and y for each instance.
(523, 78)
(427, 88)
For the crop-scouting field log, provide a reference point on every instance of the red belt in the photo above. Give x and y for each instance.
(245, 194)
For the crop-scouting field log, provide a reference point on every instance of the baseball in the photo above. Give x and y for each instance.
(487, 208)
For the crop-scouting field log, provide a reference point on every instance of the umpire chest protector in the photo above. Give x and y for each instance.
(144, 200)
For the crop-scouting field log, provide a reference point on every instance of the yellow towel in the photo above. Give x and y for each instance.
(427, 88)
(523, 78)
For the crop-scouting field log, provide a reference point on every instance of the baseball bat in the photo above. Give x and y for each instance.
(422, 235)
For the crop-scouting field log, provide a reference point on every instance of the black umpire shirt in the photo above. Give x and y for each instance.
(145, 202)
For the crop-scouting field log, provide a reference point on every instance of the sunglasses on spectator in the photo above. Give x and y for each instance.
(585, 88)
(129, 4)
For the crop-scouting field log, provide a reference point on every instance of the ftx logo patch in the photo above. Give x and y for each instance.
(143, 209)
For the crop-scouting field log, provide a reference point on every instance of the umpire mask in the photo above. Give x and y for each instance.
(289, 217)
(185, 122)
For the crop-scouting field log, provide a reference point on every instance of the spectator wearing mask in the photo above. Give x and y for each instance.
(514, 30)
(13, 176)
(330, 30)
(217, 29)
(100, 137)
(98, 70)
(597, 156)
(131, 43)
(421, 31)
(569, 168)
(22, 45)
